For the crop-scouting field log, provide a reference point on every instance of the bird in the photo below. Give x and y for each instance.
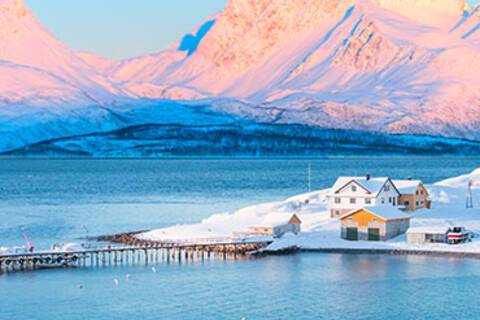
(128, 276)
(80, 286)
(115, 281)
(154, 270)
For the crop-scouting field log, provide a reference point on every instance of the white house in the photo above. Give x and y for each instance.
(350, 193)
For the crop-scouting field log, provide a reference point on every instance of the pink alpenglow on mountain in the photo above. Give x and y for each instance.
(392, 66)
(36, 68)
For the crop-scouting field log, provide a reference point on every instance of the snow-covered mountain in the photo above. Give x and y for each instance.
(390, 66)
(37, 69)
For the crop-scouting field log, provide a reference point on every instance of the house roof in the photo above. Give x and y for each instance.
(373, 185)
(407, 186)
(385, 212)
(429, 230)
(276, 219)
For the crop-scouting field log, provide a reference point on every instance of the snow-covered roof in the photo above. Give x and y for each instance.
(429, 230)
(373, 185)
(407, 186)
(276, 219)
(386, 212)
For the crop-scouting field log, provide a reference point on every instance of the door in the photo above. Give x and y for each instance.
(352, 234)
(373, 234)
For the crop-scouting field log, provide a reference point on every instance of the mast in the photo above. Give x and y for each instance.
(27, 240)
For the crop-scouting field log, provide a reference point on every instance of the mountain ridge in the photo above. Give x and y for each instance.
(389, 66)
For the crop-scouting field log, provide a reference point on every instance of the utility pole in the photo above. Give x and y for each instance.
(86, 231)
(309, 175)
(470, 195)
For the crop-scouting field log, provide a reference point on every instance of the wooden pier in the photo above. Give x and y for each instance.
(139, 253)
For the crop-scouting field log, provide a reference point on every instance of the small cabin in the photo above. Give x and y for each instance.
(421, 235)
(277, 225)
(374, 223)
(413, 195)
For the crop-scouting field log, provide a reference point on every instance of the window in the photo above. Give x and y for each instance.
(337, 212)
(389, 199)
(387, 188)
(416, 193)
(368, 201)
(338, 200)
(406, 203)
(383, 200)
(354, 188)
(416, 203)
(353, 200)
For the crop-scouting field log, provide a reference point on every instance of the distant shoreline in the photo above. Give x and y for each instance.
(249, 158)
(365, 251)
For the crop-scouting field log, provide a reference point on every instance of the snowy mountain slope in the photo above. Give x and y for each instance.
(388, 65)
(469, 25)
(248, 34)
(23, 126)
(101, 65)
(36, 87)
(230, 136)
(26, 43)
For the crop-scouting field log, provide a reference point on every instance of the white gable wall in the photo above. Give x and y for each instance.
(353, 190)
(353, 196)
(388, 195)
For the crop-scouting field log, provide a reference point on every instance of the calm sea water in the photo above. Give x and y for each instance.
(62, 200)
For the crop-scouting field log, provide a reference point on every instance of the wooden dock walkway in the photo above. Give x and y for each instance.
(145, 252)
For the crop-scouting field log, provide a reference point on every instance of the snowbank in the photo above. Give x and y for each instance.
(462, 181)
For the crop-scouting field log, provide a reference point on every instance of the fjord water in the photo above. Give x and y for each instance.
(63, 200)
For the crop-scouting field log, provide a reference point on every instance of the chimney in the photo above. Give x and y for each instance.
(368, 176)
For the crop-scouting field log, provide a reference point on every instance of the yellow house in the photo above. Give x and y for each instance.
(374, 223)
(413, 194)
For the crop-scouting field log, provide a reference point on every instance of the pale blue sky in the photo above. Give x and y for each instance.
(124, 28)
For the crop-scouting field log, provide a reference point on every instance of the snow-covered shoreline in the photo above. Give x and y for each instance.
(320, 232)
